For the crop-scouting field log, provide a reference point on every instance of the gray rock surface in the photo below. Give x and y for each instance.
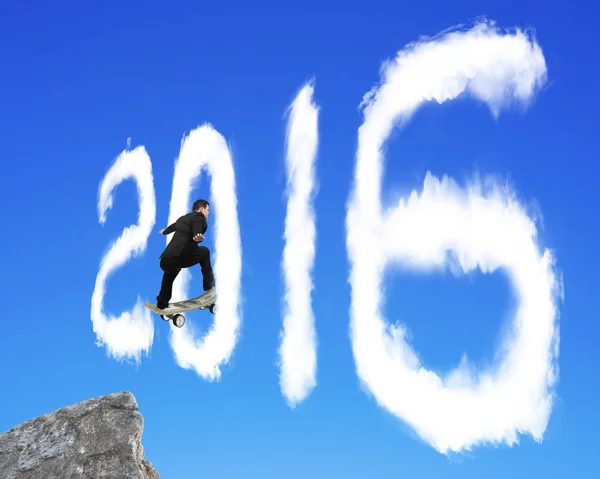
(97, 438)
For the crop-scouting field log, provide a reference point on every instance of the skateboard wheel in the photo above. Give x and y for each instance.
(213, 308)
(178, 320)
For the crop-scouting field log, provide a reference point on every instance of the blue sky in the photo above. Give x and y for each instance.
(79, 81)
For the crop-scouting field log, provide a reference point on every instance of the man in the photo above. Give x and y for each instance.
(183, 251)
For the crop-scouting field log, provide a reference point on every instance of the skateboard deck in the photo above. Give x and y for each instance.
(206, 299)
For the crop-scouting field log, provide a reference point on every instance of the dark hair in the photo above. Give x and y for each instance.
(199, 204)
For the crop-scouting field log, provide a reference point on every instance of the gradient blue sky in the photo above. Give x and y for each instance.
(78, 81)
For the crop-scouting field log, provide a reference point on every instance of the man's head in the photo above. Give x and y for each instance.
(202, 206)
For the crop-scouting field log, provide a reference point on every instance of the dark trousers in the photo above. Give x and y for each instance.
(174, 264)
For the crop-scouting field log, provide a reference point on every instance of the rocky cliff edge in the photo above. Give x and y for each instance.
(96, 438)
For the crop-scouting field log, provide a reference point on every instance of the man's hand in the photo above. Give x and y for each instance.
(161, 231)
(198, 237)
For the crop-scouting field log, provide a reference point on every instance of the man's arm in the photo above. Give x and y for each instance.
(168, 230)
(198, 228)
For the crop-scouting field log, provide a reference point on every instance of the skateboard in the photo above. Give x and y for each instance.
(172, 312)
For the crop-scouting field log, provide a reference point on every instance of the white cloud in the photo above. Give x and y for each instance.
(205, 148)
(298, 358)
(485, 226)
(131, 334)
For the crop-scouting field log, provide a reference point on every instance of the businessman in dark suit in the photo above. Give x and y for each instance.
(183, 251)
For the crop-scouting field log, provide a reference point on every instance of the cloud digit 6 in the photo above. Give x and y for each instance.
(486, 227)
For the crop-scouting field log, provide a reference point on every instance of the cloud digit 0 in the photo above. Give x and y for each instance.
(204, 147)
(130, 334)
(486, 228)
(298, 339)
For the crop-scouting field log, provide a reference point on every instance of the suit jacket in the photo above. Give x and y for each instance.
(185, 228)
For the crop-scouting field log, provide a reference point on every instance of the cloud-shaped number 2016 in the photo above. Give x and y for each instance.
(486, 228)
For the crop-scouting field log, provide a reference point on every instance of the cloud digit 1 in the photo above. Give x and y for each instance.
(486, 227)
(206, 148)
(132, 333)
(298, 357)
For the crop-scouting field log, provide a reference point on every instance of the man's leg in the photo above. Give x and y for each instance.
(202, 257)
(208, 277)
(171, 270)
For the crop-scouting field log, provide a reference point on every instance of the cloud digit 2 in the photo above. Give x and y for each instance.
(131, 334)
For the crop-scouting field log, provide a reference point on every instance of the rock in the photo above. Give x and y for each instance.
(97, 438)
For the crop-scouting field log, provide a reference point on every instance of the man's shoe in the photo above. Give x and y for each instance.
(162, 304)
(208, 283)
